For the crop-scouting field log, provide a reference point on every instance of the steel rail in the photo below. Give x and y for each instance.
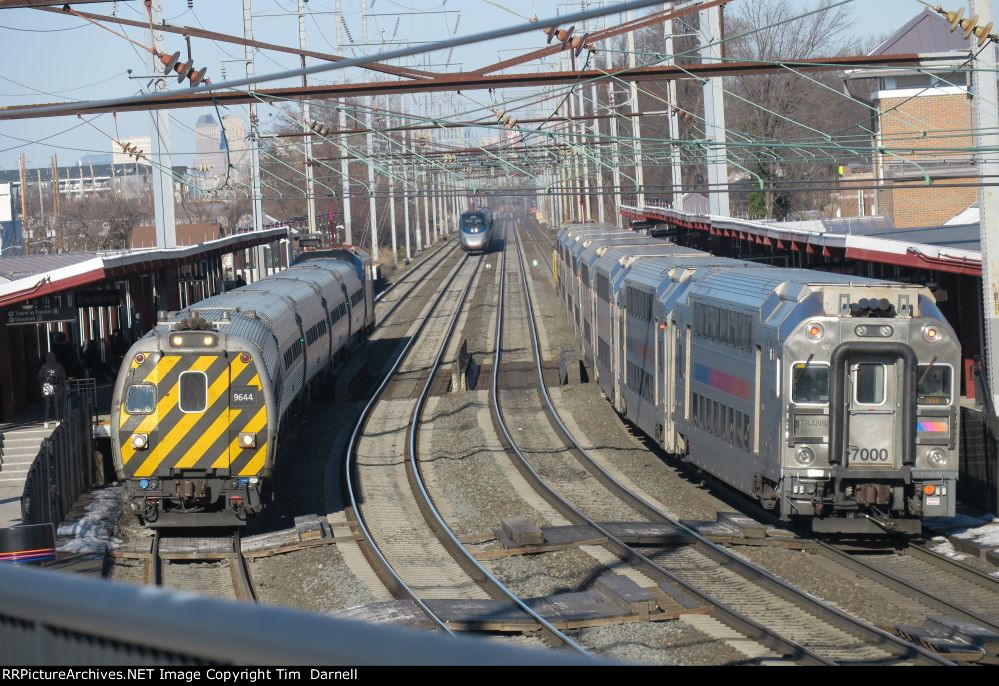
(433, 515)
(833, 616)
(238, 567)
(154, 576)
(240, 570)
(904, 587)
(957, 567)
(381, 563)
(425, 261)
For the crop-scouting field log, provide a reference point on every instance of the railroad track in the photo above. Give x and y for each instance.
(413, 277)
(407, 541)
(933, 582)
(747, 598)
(210, 565)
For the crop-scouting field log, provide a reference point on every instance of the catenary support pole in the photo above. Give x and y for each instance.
(348, 236)
(987, 124)
(714, 114)
(674, 124)
(310, 181)
(636, 124)
(162, 165)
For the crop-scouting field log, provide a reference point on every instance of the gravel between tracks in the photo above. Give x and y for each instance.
(554, 462)
(605, 436)
(831, 582)
(473, 481)
(315, 579)
(657, 643)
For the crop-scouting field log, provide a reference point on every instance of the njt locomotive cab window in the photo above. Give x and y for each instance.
(934, 384)
(193, 392)
(810, 384)
(870, 384)
(141, 399)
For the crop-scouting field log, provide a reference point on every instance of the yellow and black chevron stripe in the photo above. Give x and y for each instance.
(204, 440)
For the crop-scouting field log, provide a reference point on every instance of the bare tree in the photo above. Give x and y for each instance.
(776, 109)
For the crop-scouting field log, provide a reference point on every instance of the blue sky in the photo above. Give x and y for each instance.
(69, 59)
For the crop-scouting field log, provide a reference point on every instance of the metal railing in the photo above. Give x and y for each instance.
(52, 618)
(64, 466)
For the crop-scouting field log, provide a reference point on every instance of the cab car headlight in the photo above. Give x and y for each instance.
(804, 456)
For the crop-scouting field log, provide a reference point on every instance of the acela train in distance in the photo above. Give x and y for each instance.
(475, 230)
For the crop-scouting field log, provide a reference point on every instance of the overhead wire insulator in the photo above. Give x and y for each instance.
(170, 61)
(954, 18)
(983, 33)
(969, 26)
(565, 36)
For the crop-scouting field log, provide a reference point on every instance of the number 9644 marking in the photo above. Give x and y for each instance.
(869, 455)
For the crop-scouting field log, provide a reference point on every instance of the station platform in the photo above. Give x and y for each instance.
(20, 441)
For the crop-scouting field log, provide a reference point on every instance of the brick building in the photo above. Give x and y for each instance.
(921, 123)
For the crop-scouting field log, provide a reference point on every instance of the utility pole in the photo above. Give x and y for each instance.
(987, 124)
(24, 203)
(405, 205)
(676, 173)
(416, 225)
(162, 164)
(310, 180)
(586, 205)
(55, 185)
(258, 205)
(369, 144)
(636, 127)
(714, 114)
(599, 149)
(426, 206)
(616, 145)
(432, 188)
(41, 196)
(344, 162)
(391, 194)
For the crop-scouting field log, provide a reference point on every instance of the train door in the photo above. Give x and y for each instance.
(670, 334)
(873, 418)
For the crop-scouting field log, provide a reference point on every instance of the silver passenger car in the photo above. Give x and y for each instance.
(823, 396)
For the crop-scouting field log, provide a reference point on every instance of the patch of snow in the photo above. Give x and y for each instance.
(92, 533)
(945, 548)
(985, 535)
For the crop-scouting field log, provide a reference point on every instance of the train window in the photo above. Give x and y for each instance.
(810, 384)
(141, 399)
(193, 392)
(870, 384)
(934, 385)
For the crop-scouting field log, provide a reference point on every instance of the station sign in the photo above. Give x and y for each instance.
(17, 316)
(47, 310)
